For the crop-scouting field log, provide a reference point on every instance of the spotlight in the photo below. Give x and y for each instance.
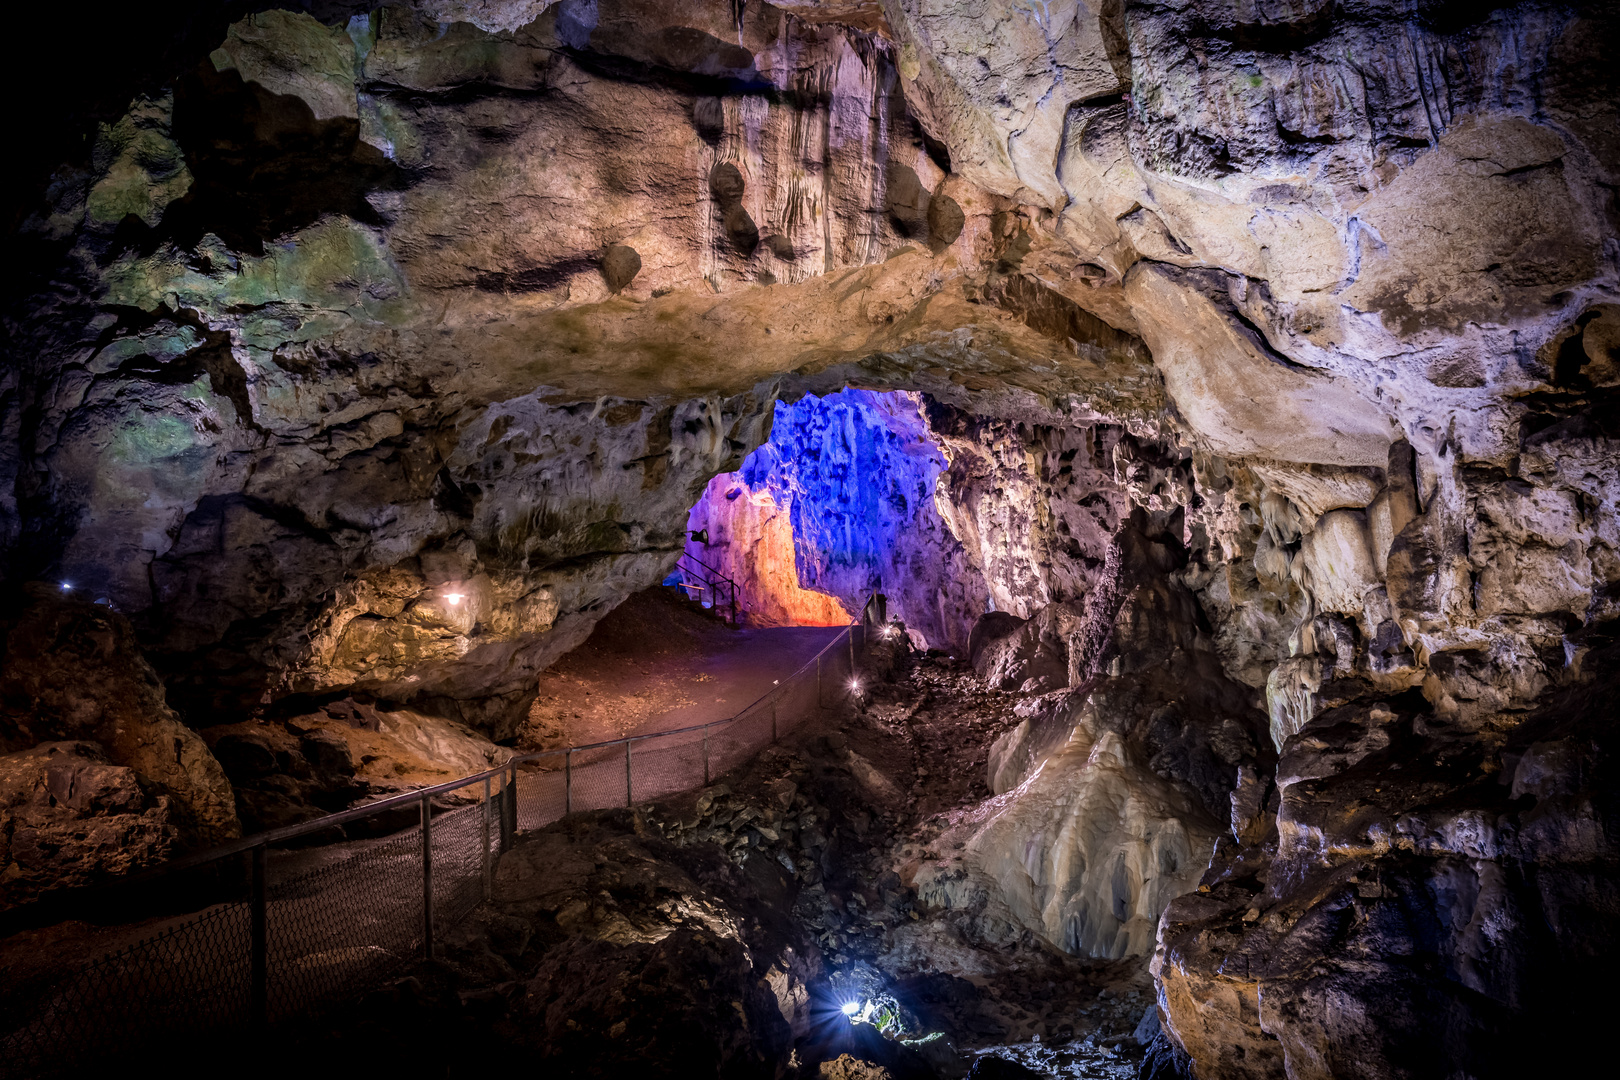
(855, 685)
(67, 586)
(851, 1008)
(454, 598)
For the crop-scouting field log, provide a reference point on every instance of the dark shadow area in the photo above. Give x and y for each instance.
(263, 165)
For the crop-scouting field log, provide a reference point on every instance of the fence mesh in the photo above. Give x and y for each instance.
(189, 977)
(335, 929)
(339, 920)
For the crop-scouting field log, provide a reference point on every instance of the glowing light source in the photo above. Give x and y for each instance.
(888, 631)
(855, 685)
(454, 598)
(851, 1008)
(67, 586)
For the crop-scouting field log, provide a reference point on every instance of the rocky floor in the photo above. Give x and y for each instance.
(728, 931)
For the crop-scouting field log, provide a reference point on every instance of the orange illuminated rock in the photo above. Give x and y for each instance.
(751, 541)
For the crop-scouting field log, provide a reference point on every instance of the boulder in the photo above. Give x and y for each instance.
(74, 670)
(289, 771)
(69, 817)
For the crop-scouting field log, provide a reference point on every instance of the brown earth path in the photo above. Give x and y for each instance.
(658, 662)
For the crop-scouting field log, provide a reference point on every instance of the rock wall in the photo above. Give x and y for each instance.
(1034, 503)
(855, 473)
(1109, 793)
(747, 536)
(98, 776)
(249, 410)
(348, 317)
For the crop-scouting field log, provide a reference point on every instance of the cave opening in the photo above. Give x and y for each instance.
(836, 507)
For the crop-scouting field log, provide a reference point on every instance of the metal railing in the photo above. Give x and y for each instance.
(708, 586)
(296, 931)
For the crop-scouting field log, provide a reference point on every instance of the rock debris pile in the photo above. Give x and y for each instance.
(727, 929)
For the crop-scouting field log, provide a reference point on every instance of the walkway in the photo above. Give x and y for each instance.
(657, 662)
(333, 922)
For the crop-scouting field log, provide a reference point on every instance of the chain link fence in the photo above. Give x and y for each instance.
(291, 933)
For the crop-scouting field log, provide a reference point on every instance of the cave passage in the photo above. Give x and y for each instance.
(836, 506)
(1224, 398)
(657, 662)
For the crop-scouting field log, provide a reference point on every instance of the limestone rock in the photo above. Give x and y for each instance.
(1317, 298)
(620, 265)
(290, 771)
(1033, 504)
(74, 671)
(293, 54)
(1409, 823)
(1337, 558)
(1031, 657)
(1224, 379)
(656, 969)
(848, 1067)
(69, 817)
(1101, 877)
(837, 506)
(1107, 795)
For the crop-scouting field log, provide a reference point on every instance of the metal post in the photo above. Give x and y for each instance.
(851, 632)
(258, 992)
(427, 877)
(489, 877)
(499, 810)
(705, 757)
(511, 806)
(627, 796)
(568, 781)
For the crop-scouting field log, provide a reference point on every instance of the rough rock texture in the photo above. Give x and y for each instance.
(650, 961)
(727, 927)
(747, 535)
(69, 817)
(856, 473)
(1034, 504)
(1115, 846)
(73, 672)
(288, 771)
(1107, 793)
(1405, 898)
(250, 409)
(335, 320)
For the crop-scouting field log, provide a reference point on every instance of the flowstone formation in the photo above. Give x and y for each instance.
(373, 355)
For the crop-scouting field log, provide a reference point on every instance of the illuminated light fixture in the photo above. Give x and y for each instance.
(851, 1008)
(454, 598)
(67, 586)
(855, 684)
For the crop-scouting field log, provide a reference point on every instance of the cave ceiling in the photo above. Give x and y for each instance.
(1258, 440)
(336, 305)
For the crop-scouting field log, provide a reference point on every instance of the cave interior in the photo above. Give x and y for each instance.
(1098, 522)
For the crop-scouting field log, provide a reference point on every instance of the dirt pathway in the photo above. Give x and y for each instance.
(658, 662)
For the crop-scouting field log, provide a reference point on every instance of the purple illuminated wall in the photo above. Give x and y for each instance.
(856, 472)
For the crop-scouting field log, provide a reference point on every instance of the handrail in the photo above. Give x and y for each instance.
(713, 570)
(716, 581)
(226, 930)
(416, 795)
